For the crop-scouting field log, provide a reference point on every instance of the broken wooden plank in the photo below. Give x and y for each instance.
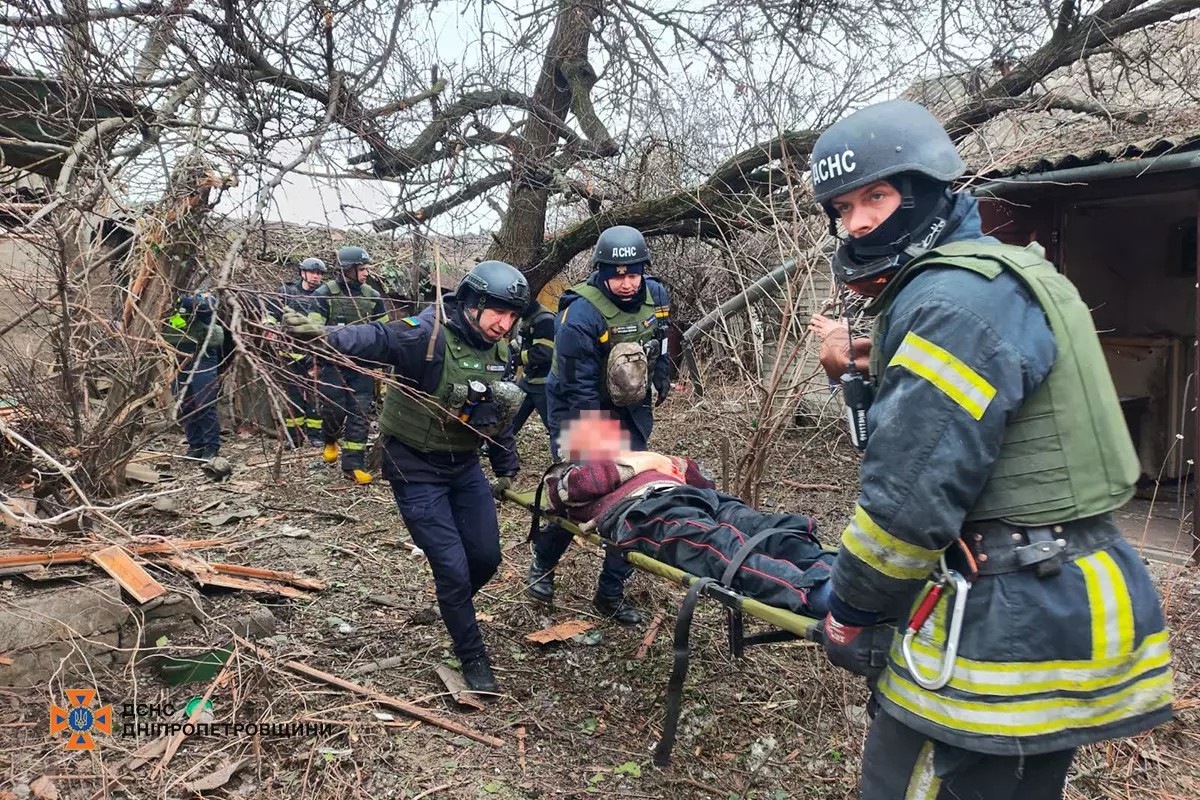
(560, 632)
(12, 509)
(5, 661)
(142, 473)
(458, 688)
(204, 575)
(268, 575)
(80, 556)
(127, 572)
(416, 712)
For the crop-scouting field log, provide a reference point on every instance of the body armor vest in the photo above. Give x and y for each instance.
(1067, 452)
(645, 326)
(187, 335)
(349, 309)
(431, 424)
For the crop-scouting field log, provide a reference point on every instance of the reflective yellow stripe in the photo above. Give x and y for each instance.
(545, 342)
(354, 445)
(885, 553)
(294, 422)
(313, 423)
(940, 367)
(1023, 678)
(384, 318)
(924, 783)
(603, 336)
(1028, 717)
(661, 314)
(1108, 599)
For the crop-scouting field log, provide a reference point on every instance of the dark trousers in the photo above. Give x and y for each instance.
(701, 531)
(346, 398)
(900, 763)
(197, 379)
(535, 400)
(303, 414)
(455, 524)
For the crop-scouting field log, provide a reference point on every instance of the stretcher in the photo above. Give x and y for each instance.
(789, 625)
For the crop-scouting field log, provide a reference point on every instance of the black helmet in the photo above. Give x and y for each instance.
(312, 265)
(880, 141)
(902, 143)
(352, 256)
(492, 284)
(621, 246)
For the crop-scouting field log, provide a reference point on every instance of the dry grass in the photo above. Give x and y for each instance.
(781, 723)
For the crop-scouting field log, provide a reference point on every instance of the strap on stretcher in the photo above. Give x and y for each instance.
(791, 625)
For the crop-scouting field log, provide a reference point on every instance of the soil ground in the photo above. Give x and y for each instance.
(578, 718)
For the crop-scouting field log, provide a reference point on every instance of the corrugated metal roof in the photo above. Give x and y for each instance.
(1159, 145)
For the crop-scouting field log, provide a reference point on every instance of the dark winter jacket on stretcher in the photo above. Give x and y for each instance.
(679, 519)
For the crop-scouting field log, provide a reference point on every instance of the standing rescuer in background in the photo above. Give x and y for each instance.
(995, 454)
(451, 395)
(347, 393)
(534, 348)
(609, 352)
(198, 339)
(303, 420)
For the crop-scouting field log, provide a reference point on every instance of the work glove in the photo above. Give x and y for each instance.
(862, 650)
(499, 485)
(662, 387)
(301, 326)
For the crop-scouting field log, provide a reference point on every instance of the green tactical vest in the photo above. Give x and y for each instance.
(430, 424)
(1067, 453)
(639, 326)
(187, 336)
(348, 309)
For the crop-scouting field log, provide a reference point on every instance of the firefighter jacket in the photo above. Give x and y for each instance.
(423, 414)
(590, 323)
(334, 303)
(990, 383)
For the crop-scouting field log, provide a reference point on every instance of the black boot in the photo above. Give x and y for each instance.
(478, 674)
(540, 582)
(616, 609)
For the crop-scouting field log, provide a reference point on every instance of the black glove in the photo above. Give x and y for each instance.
(861, 650)
(662, 387)
(499, 485)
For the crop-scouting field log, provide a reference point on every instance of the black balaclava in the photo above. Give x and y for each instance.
(927, 196)
(606, 271)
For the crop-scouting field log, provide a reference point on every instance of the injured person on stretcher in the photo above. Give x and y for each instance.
(666, 508)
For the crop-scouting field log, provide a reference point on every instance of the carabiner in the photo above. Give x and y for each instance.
(960, 586)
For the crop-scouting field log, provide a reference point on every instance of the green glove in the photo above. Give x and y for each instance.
(499, 485)
(301, 326)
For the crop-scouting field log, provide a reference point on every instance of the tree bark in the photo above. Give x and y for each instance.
(523, 229)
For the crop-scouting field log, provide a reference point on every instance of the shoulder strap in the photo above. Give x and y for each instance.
(596, 297)
(332, 286)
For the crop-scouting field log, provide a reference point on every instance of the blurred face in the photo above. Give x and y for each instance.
(495, 323)
(310, 278)
(625, 286)
(863, 210)
(595, 436)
